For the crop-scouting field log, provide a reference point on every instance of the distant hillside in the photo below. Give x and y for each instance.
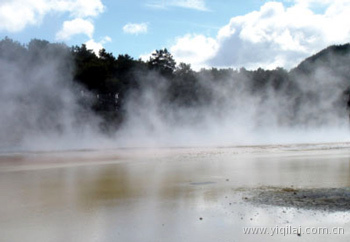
(335, 57)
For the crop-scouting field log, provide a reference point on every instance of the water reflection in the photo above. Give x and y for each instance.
(182, 195)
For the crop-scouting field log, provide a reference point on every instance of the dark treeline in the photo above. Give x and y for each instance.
(104, 83)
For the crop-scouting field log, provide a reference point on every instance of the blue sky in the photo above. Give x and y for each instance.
(223, 33)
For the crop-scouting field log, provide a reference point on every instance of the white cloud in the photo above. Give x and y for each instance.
(275, 35)
(191, 48)
(194, 49)
(79, 8)
(15, 15)
(191, 4)
(75, 27)
(97, 46)
(140, 28)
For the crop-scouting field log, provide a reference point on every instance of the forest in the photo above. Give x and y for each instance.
(316, 92)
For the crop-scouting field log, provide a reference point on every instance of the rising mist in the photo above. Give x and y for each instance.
(239, 110)
(41, 107)
(46, 102)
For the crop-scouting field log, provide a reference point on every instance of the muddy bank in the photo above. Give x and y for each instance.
(327, 199)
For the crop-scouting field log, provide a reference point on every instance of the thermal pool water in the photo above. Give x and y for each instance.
(178, 194)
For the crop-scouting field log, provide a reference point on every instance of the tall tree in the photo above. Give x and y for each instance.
(162, 61)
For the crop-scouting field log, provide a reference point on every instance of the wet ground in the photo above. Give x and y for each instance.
(324, 199)
(182, 194)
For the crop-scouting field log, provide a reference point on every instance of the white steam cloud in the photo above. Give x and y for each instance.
(41, 108)
(311, 109)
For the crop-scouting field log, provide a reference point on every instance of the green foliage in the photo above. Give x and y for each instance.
(163, 62)
(11, 50)
(334, 57)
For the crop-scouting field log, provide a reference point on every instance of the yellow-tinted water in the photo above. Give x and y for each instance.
(164, 195)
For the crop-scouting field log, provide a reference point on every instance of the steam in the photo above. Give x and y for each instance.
(43, 109)
(307, 109)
